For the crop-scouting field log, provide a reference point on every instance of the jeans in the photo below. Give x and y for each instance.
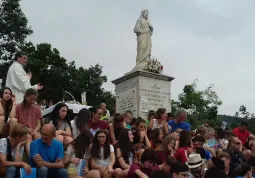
(44, 172)
(11, 172)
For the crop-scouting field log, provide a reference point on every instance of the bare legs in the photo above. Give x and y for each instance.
(64, 139)
(124, 173)
(117, 173)
(13, 122)
(90, 174)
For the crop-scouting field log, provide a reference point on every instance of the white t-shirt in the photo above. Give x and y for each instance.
(3, 148)
(75, 130)
(102, 161)
(156, 124)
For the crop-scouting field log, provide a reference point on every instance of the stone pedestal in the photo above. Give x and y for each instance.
(141, 91)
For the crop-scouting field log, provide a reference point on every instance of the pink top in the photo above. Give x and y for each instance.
(28, 115)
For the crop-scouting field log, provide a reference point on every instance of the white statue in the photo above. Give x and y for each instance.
(143, 30)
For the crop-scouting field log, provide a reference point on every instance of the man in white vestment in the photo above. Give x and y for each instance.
(17, 79)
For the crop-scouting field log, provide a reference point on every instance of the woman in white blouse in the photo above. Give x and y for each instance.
(80, 122)
(103, 157)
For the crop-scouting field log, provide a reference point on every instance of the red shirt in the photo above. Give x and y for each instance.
(182, 154)
(162, 157)
(135, 166)
(241, 135)
(94, 127)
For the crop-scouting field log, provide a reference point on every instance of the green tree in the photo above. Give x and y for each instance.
(110, 99)
(201, 105)
(174, 106)
(48, 68)
(58, 76)
(13, 32)
(91, 81)
(244, 114)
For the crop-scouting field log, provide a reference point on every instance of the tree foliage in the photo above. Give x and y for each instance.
(58, 76)
(201, 105)
(13, 32)
(235, 120)
(244, 113)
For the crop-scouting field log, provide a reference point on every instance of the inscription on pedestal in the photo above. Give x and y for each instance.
(141, 91)
(157, 97)
(126, 101)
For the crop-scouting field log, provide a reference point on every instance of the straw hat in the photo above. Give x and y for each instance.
(194, 161)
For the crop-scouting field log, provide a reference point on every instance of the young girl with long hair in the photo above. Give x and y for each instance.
(156, 137)
(140, 136)
(81, 122)
(103, 157)
(165, 149)
(160, 121)
(7, 106)
(79, 149)
(124, 150)
(59, 118)
(141, 140)
(184, 146)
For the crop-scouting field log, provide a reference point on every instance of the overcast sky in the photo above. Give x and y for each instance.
(213, 40)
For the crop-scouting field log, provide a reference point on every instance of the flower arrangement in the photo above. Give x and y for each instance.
(84, 103)
(154, 66)
(72, 102)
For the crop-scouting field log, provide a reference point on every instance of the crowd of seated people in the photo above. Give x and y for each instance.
(164, 146)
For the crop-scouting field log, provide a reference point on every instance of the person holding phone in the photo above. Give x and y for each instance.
(17, 79)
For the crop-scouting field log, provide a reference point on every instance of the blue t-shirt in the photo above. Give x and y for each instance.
(182, 125)
(208, 155)
(49, 153)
